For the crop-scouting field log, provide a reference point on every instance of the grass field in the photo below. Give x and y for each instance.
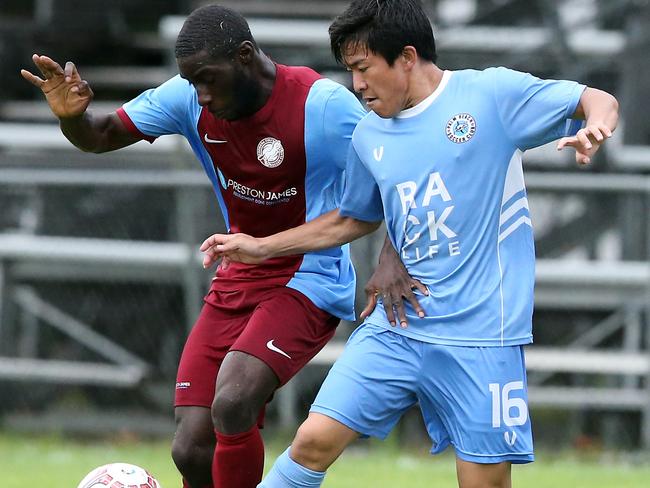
(58, 463)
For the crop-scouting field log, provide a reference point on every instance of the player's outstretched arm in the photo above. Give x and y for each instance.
(600, 111)
(392, 282)
(69, 97)
(328, 230)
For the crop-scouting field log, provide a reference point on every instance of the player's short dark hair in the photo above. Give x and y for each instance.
(215, 29)
(385, 27)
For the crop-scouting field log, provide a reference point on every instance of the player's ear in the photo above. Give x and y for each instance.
(245, 52)
(409, 56)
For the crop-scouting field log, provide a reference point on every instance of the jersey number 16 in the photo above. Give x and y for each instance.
(503, 404)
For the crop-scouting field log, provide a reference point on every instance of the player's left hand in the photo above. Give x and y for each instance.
(394, 285)
(586, 141)
(66, 93)
(232, 247)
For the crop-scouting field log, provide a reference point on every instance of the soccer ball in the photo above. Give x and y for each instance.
(119, 475)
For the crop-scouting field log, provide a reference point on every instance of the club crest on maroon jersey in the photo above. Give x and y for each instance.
(270, 152)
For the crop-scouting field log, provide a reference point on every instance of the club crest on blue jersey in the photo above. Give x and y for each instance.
(460, 128)
(270, 152)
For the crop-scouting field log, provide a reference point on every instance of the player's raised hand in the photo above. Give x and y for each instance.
(66, 93)
(392, 283)
(586, 141)
(232, 247)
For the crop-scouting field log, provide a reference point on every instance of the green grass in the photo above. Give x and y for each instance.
(27, 462)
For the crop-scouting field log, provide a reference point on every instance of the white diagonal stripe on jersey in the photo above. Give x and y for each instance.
(514, 177)
(513, 209)
(516, 224)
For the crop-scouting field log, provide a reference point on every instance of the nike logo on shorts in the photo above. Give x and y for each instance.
(212, 141)
(274, 348)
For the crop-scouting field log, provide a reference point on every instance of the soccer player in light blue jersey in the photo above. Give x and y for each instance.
(439, 159)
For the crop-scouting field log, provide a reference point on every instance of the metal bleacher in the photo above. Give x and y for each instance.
(572, 279)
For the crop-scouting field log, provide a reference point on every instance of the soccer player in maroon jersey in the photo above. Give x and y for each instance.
(273, 140)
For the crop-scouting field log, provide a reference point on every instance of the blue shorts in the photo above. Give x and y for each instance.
(474, 398)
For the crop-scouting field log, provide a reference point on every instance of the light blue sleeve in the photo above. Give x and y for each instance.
(361, 197)
(172, 108)
(341, 113)
(534, 111)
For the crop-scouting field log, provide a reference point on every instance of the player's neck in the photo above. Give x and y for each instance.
(425, 79)
(266, 73)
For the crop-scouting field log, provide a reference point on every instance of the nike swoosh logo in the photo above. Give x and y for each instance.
(274, 348)
(212, 141)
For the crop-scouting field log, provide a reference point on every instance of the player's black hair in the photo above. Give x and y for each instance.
(215, 29)
(385, 27)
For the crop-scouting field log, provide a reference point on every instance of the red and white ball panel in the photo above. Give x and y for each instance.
(119, 475)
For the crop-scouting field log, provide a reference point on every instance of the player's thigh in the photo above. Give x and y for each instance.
(210, 339)
(285, 331)
(476, 399)
(474, 475)
(373, 383)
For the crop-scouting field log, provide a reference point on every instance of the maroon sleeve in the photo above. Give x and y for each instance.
(128, 123)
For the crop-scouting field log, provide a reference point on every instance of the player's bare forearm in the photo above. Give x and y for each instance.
(598, 107)
(387, 252)
(326, 231)
(96, 133)
(600, 111)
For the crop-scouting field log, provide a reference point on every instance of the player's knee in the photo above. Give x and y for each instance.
(191, 457)
(193, 444)
(472, 475)
(313, 448)
(234, 411)
(181, 454)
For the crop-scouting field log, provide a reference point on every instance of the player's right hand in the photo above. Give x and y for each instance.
(586, 141)
(66, 93)
(392, 283)
(232, 247)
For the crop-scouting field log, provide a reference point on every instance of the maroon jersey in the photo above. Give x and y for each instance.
(263, 164)
(272, 171)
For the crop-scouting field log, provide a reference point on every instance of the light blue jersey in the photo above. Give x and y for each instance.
(447, 176)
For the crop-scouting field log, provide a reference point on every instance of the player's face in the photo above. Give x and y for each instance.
(384, 88)
(222, 86)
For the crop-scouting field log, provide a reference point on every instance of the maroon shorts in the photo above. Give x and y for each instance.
(278, 325)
